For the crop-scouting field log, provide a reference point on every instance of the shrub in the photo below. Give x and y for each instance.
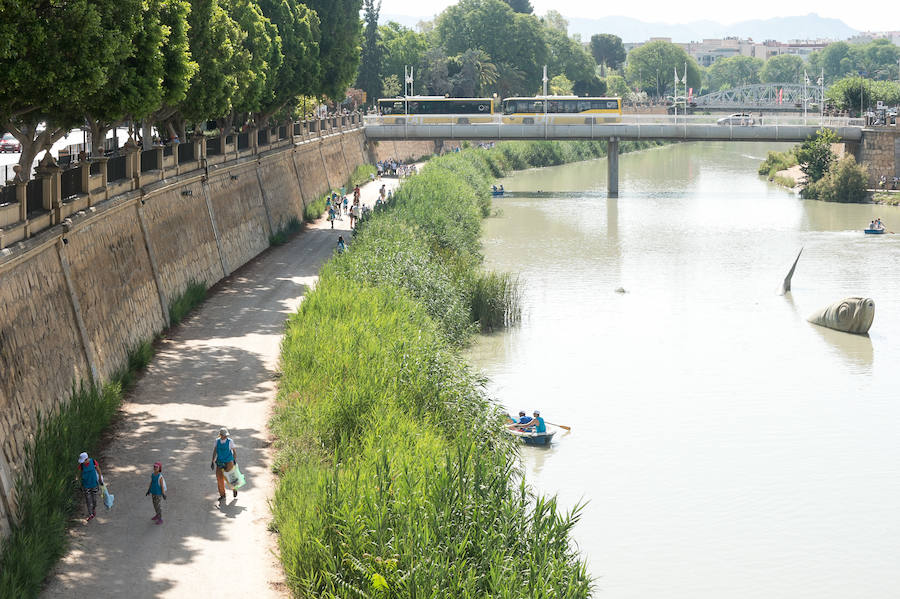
(778, 161)
(845, 181)
(285, 232)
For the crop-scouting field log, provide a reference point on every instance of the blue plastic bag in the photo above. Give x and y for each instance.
(108, 497)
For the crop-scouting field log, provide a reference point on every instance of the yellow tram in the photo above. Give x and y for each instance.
(424, 110)
(562, 110)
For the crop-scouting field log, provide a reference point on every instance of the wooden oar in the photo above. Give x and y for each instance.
(568, 428)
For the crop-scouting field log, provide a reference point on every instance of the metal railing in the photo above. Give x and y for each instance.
(115, 168)
(149, 160)
(185, 152)
(70, 183)
(34, 196)
(213, 146)
(7, 195)
(243, 141)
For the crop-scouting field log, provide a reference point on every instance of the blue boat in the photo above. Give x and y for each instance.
(497, 192)
(530, 438)
(873, 231)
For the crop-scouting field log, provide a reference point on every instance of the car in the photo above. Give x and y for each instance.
(738, 118)
(8, 143)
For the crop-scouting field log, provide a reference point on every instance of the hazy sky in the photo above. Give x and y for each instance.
(866, 18)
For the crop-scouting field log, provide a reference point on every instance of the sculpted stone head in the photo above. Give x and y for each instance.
(851, 315)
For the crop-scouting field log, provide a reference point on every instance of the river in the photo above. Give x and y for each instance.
(724, 446)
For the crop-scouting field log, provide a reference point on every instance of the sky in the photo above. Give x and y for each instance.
(726, 13)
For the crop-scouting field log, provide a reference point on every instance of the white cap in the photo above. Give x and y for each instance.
(82, 458)
(223, 431)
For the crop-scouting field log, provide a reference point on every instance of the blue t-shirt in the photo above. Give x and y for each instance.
(524, 419)
(224, 454)
(90, 479)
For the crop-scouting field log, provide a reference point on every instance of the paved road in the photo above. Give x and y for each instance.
(217, 369)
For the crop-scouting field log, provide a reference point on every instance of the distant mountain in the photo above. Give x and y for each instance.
(811, 26)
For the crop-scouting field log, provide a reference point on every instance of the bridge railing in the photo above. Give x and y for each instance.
(811, 120)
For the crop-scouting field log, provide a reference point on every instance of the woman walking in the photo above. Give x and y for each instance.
(157, 489)
(223, 459)
(91, 479)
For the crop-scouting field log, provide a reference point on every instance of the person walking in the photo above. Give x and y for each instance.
(224, 457)
(157, 490)
(91, 479)
(341, 246)
(331, 217)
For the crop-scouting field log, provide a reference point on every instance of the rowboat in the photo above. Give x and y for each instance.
(533, 438)
(497, 192)
(873, 231)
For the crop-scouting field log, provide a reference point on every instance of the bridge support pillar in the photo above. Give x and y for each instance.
(612, 168)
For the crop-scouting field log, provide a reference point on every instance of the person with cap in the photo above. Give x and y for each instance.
(158, 490)
(91, 479)
(224, 458)
(522, 417)
(535, 424)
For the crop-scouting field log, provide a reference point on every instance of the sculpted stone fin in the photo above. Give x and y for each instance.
(786, 285)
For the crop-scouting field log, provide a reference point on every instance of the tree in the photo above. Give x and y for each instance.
(370, 64)
(652, 68)
(845, 181)
(736, 71)
(474, 74)
(836, 60)
(879, 59)
(54, 56)
(616, 86)
(507, 37)
(214, 39)
(298, 28)
(856, 93)
(401, 47)
(261, 56)
(784, 68)
(436, 72)
(340, 31)
(560, 86)
(390, 86)
(520, 6)
(607, 50)
(815, 156)
(569, 57)
(554, 20)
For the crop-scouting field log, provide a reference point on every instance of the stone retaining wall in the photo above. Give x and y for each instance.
(879, 151)
(78, 297)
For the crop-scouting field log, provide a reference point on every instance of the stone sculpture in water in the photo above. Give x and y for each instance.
(851, 315)
(786, 285)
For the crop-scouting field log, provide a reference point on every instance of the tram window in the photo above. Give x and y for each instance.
(584, 105)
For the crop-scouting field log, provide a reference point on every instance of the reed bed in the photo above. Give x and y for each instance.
(396, 479)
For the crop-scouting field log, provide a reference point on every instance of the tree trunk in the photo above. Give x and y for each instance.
(98, 135)
(146, 134)
(33, 143)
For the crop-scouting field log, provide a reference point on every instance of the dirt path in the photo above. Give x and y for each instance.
(217, 369)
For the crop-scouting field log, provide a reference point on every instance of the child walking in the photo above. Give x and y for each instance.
(157, 489)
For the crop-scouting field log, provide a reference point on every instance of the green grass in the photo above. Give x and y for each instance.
(192, 297)
(886, 198)
(783, 181)
(281, 236)
(315, 209)
(46, 490)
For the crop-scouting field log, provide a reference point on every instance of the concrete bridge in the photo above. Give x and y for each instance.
(630, 127)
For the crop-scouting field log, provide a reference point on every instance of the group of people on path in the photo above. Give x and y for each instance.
(534, 424)
(224, 460)
(392, 167)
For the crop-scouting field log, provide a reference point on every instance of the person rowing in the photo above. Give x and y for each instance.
(534, 425)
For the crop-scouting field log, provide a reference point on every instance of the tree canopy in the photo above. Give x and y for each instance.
(785, 68)
(652, 67)
(735, 71)
(607, 49)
